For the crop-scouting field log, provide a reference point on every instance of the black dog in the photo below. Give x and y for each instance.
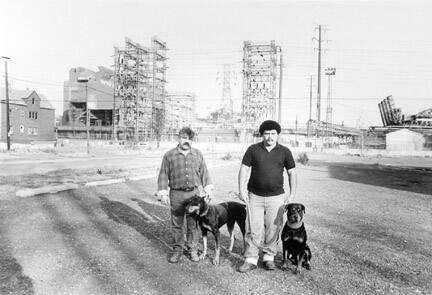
(294, 238)
(212, 217)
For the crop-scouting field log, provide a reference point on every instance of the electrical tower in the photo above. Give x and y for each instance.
(260, 70)
(226, 103)
(140, 85)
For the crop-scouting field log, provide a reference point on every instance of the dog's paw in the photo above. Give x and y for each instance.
(202, 256)
(284, 266)
(306, 265)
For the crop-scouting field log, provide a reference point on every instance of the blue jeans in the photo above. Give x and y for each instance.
(266, 217)
(178, 201)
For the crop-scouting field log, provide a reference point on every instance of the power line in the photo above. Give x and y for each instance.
(300, 99)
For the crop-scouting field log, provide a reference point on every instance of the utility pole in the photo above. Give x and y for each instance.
(7, 104)
(310, 107)
(85, 80)
(319, 77)
(329, 118)
(280, 87)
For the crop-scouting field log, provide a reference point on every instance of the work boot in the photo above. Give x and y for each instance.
(175, 257)
(269, 265)
(246, 266)
(194, 256)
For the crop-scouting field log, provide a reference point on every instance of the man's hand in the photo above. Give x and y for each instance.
(244, 196)
(208, 190)
(163, 197)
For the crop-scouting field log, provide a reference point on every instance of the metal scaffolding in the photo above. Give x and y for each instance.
(140, 78)
(260, 70)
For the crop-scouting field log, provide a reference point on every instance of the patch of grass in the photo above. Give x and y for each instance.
(303, 158)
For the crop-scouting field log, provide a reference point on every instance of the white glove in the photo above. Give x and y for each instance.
(163, 197)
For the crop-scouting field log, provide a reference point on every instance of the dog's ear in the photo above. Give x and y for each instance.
(303, 209)
(286, 207)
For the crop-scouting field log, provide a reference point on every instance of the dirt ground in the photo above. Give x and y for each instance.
(369, 229)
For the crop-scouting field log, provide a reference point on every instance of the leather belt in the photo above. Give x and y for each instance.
(185, 189)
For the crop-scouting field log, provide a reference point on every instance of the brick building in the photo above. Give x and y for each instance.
(31, 116)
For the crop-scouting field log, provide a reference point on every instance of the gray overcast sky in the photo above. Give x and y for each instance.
(378, 47)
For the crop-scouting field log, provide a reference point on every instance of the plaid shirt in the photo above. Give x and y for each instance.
(179, 171)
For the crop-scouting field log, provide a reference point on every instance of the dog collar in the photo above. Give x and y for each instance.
(295, 225)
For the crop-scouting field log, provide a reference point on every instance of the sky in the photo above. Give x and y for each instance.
(378, 48)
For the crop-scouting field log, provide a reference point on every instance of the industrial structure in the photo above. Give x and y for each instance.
(96, 95)
(180, 110)
(394, 121)
(392, 116)
(260, 83)
(139, 85)
(129, 102)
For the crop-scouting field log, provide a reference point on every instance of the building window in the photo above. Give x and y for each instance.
(32, 100)
(21, 128)
(32, 131)
(30, 114)
(35, 115)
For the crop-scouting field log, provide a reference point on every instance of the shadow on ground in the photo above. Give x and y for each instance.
(162, 214)
(417, 180)
(12, 278)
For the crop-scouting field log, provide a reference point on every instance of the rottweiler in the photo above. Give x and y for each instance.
(294, 238)
(212, 217)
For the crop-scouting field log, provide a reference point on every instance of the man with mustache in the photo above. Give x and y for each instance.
(184, 171)
(264, 194)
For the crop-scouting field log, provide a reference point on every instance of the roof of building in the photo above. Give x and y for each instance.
(17, 97)
(425, 114)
